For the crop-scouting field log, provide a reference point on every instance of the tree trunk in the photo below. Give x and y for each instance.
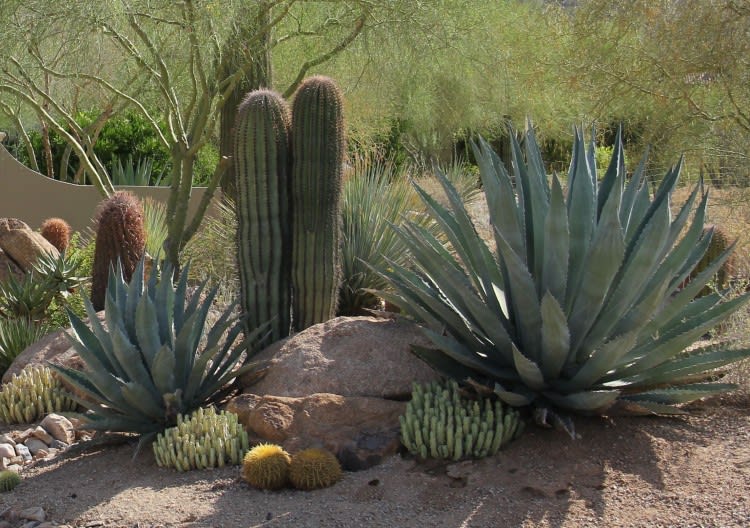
(259, 75)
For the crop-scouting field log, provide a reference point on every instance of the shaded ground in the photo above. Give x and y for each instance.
(625, 471)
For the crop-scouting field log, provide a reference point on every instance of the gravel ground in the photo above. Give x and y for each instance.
(625, 471)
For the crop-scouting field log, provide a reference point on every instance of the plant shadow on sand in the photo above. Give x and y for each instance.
(631, 466)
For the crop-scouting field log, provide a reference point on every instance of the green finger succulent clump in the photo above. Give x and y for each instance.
(33, 394)
(204, 440)
(439, 423)
(580, 305)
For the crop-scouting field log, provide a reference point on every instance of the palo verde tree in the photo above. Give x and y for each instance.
(184, 62)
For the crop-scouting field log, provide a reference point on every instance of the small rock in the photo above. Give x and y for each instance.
(6, 439)
(9, 514)
(33, 514)
(58, 445)
(15, 467)
(42, 434)
(3, 463)
(7, 450)
(16, 459)
(59, 427)
(31, 524)
(36, 447)
(22, 436)
(23, 451)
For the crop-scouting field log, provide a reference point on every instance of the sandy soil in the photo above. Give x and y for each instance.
(625, 471)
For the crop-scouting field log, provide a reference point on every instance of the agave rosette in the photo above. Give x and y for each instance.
(149, 365)
(583, 302)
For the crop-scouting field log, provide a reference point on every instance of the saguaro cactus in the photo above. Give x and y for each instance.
(119, 235)
(318, 150)
(262, 165)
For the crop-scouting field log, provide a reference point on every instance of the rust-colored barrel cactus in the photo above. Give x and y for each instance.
(119, 235)
(57, 232)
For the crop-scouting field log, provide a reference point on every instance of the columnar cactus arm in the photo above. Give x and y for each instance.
(318, 150)
(261, 158)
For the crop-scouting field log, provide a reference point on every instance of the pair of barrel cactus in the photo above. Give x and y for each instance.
(288, 171)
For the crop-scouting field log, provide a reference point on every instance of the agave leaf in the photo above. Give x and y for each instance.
(500, 197)
(640, 314)
(602, 361)
(593, 401)
(421, 296)
(94, 351)
(514, 399)
(667, 346)
(147, 333)
(628, 283)
(648, 408)
(134, 292)
(555, 337)
(535, 199)
(478, 361)
(132, 363)
(528, 370)
(695, 362)
(683, 394)
(77, 380)
(180, 295)
(163, 370)
(601, 265)
(462, 234)
(581, 214)
(444, 364)
(614, 176)
(520, 290)
(142, 401)
(638, 213)
(632, 190)
(661, 199)
(184, 348)
(556, 245)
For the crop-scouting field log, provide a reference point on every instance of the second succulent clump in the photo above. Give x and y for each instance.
(439, 423)
(204, 440)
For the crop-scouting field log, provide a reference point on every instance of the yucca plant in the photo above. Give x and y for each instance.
(27, 297)
(61, 273)
(15, 336)
(148, 366)
(579, 306)
(155, 225)
(377, 195)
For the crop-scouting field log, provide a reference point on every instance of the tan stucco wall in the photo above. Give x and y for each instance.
(32, 197)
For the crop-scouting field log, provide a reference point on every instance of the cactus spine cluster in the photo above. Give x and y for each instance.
(439, 423)
(120, 234)
(9, 480)
(262, 166)
(33, 394)
(57, 232)
(720, 242)
(266, 466)
(318, 151)
(204, 440)
(314, 468)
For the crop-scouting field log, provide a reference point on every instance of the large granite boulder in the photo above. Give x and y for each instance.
(348, 356)
(8, 268)
(341, 385)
